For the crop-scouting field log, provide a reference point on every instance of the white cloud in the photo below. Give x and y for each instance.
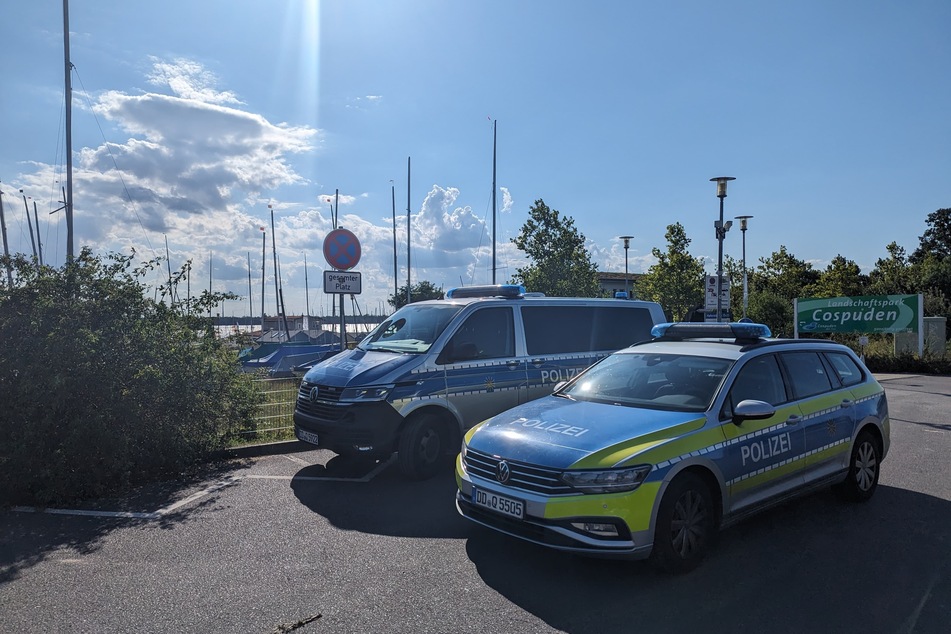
(189, 80)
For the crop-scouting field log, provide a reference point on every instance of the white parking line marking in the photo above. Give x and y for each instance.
(171, 508)
(298, 460)
(121, 514)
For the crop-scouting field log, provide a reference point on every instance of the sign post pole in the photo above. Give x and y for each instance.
(342, 252)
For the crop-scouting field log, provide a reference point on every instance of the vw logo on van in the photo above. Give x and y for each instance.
(313, 393)
(503, 472)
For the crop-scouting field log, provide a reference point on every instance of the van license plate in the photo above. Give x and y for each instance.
(307, 436)
(498, 503)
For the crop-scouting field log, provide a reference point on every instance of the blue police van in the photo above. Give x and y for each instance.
(435, 368)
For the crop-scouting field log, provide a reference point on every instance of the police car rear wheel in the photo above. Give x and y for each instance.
(686, 525)
(422, 448)
(862, 480)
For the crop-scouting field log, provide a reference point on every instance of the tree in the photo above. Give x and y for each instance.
(842, 278)
(418, 292)
(104, 387)
(676, 280)
(783, 274)
(892, 275)
(560, 264)
(936, 240)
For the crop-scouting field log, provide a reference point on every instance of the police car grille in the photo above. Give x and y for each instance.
(326, 407)
(524, 476)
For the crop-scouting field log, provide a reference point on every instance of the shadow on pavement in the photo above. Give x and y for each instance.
(813, 565)
(388, 504)
(28, 538)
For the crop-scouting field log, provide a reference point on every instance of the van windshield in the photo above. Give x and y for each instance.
(412, 328)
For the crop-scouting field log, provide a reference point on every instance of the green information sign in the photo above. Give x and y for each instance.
(872, 313)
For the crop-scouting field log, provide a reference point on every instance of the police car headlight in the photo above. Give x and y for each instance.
(364, 394)
(607, 480)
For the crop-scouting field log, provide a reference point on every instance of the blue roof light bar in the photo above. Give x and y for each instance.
(507, 291)
(692, 330)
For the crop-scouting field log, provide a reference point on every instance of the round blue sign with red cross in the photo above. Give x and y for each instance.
(341, 249)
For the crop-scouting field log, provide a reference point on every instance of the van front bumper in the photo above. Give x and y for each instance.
(349, 428)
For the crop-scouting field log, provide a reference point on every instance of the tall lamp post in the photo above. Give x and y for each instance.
(627, 245)
(721, 230)
(746, 294)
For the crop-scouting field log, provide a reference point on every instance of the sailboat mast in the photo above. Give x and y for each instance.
(306, 292)
(396, 290)
(69, 135)
(6, 247)
(263, 272)
(494, 122)
(277, 291)
(409, 274)
(250, 299)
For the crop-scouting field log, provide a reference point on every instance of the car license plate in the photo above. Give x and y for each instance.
(498, 503)
(307, 436)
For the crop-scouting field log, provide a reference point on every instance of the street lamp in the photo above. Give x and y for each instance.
(627, 244)
(721, 230)
(746, 294)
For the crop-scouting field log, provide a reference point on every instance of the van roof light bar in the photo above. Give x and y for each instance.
(507, 291)
(690, 330)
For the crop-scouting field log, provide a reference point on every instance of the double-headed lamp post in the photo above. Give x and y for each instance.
(721, 230)
(627, 245)
(746, 293)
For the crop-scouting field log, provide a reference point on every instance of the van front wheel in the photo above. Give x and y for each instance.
(422, 447)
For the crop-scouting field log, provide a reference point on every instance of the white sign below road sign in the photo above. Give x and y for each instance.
(344, 282)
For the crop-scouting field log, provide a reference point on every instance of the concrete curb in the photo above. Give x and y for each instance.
(263, 449)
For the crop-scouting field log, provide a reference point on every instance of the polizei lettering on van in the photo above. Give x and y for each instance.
(766, 448)
(559, 374)
(557, 428)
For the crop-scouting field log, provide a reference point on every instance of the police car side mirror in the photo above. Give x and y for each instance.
(559, 385)
(750, 409)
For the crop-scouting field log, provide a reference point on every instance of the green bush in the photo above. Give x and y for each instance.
(101, 387)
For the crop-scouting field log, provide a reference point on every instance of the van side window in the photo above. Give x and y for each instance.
(488, 333)
(807, 374)
(567, 329)
(760, 380)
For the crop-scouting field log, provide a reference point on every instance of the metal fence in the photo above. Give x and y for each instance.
(274, 419)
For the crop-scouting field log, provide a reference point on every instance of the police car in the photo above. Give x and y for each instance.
(649, 452)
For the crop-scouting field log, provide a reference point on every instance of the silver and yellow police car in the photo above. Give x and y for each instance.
(649, 452)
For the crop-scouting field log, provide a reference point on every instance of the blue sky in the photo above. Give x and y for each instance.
(190, 118)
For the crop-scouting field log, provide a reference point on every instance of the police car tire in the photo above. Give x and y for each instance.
(687, 498)
(422, 448)
(864, 466)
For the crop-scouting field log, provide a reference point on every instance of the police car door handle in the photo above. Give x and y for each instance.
(513, 364)
(846, 403)
(538, 361)
(793, 420)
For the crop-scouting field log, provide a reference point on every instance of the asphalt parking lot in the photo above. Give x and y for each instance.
(302, 541)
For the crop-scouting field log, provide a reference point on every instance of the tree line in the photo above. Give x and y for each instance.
(560, 265)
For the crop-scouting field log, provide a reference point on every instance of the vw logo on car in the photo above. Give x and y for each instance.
(503, 472)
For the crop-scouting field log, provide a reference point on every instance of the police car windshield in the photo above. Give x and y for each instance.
(655, 381)
(411, 329)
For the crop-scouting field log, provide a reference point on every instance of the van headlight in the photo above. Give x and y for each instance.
(365, 394)
(607, 480)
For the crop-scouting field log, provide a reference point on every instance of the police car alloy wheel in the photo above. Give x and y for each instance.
(686, 525)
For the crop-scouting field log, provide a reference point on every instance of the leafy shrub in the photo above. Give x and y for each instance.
(101, 387)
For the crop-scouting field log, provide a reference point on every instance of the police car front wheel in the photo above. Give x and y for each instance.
(686, 525)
